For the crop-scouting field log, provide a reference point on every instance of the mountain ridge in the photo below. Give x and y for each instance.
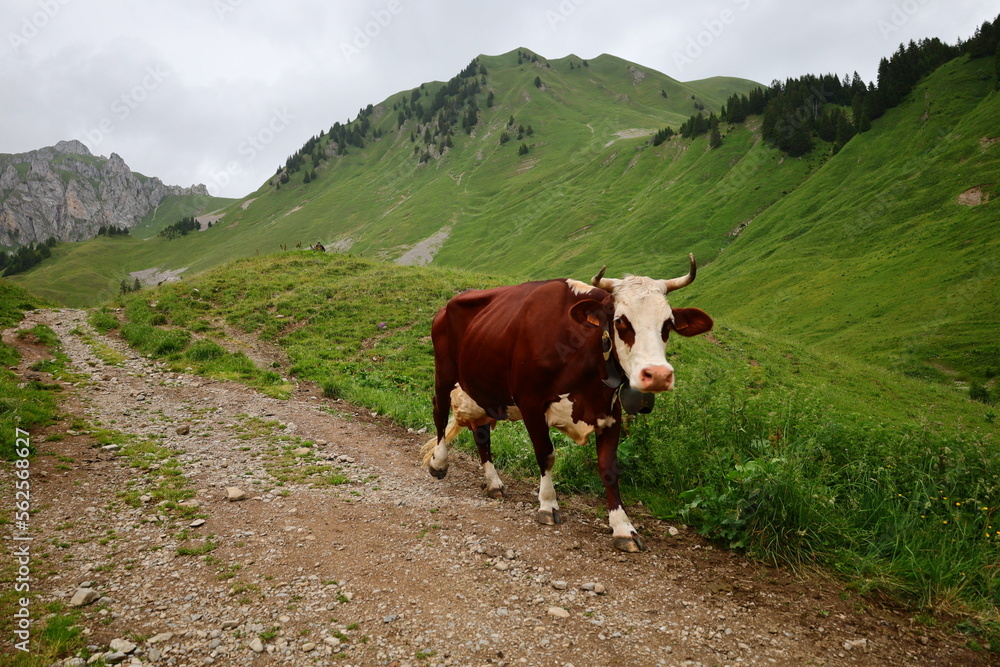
(67, 193)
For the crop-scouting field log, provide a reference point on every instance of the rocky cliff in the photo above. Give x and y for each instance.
(64, 191)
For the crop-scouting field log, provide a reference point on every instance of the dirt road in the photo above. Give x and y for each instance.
(361, 558)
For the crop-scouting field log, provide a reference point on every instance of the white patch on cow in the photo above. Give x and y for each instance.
(621, 525)
(493, 482)
(579, 288)
(605, 422)
(560, 416)
(468, 413)
(465, 410)
(641, 300)
(547, 492)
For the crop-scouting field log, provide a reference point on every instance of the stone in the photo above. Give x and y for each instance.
(231, 623)
(390, 618)
(673, 531)
(83, 597)
(594, 587)
(256, 645)
(502, 566)
(308, 646)
(234, 493)
(160, 638)
(558, 612)
(183, 429)
(559, 585)
(852, 644)
(197, 523)
(114, 658)
(122, 645)
(302, 450)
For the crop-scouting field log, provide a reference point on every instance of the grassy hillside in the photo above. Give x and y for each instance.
(867, 252)
(795, 455)
(175, 207)
(874, 254)
(380, 201)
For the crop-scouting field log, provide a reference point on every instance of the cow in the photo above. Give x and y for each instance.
(556, 354)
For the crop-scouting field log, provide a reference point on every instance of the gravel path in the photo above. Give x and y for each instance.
(346, 552)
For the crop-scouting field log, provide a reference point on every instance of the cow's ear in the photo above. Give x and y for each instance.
(691, 321)
(588, 312)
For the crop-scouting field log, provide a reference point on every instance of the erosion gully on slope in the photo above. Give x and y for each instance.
(346, 552)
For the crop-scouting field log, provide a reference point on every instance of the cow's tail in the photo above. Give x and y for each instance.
(427, 451)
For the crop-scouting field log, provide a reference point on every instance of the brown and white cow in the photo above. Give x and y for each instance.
(558, 354)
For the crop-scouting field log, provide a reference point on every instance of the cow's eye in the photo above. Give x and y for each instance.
(665, 331)
(624, 328)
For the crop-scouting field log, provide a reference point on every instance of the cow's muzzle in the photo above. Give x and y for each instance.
(656, 379)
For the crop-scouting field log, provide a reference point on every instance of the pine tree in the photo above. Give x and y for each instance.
(523, 150)
(538, 82)
(845, 132)
(715, 138)
(800, 141)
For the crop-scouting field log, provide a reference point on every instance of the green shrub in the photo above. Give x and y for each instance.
(205, 350)
(981, 393)
(103, 319)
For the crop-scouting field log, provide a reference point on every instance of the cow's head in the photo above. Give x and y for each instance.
(642, 322)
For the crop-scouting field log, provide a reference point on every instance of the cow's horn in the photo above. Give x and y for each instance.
(601, 282)
(683, 281)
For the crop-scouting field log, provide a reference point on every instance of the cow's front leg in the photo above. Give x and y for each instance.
(625, 536)
(548, 506)
(494, 487)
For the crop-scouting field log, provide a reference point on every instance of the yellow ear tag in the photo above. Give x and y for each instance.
(593, 319)
(606, 343)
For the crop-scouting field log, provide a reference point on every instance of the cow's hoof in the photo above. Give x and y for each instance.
(549, 517)
(630, 544)
(439, 474)
(498, 494)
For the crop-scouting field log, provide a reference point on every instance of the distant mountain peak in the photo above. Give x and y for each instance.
(73, 146)
(67, 193)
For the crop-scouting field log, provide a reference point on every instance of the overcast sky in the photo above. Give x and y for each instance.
(222, 91)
